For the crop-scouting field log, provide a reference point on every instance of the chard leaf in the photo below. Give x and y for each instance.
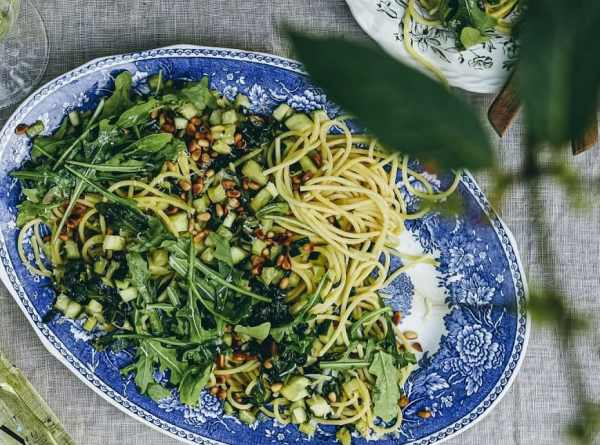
(387, 391)
(397, 103)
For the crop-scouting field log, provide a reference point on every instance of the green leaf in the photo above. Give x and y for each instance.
(559, 74)
(260, 332)
(120, 100)
(158, 392)
(166, 359)
(192, 383)
(150, 144)
(139, 274)
(405, 109)
(122, 217)
(222, 248)
(144, 369)
(387, 392)
(29, 211)
(137, 114)
(199, 94)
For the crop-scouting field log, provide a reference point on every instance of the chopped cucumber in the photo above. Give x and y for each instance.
(217, 194)
(309, 428)
(122, 284)
(308, 165)
(128, 294)
(319, 115)
(318, 405)
(179, 221)
(299, 122)
(221, 147)
(217, 131)
(282, 111)
(73, 310)
(100, 266)
(262, 198)
(343, 436)
(159, 257)
(188, 110)
(242, 101)
(275, 251)
(201, 204)
(295, 389)
(113, 242)
(94, 307)
(61, 303)
(72, 249)
(253, 171)
(208, 256)
(247, 417)
(229, 220)
(229, 117)
(90, 323)
(74, 118)
(258, 246)
(215, 117)
(272, 189)
(224, 232)
(181, 123)
(298, 413)
(238, 254)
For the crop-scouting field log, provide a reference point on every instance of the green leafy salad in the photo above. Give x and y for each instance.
(238, 253)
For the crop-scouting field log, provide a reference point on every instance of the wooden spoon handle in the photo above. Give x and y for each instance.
(505, 107)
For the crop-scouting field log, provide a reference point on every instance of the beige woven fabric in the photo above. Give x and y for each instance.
(536, 408)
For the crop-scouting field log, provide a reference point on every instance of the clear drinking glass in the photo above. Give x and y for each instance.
(23, 50)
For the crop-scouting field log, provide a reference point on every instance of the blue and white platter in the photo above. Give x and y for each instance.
(468, 308)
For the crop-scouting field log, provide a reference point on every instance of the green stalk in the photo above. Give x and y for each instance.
(367, 318)
(106, 167)
(342, 365)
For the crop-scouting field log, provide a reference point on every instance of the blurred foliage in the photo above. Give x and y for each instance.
(558, 83)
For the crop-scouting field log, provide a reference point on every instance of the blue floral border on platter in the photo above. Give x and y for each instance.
(82, 370)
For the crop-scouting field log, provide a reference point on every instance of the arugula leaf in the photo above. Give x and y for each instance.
(222, 248)
(28, 211)
(260, 332)
(192, 383)
(166, 359)
(149, 144)
(198, 93)
(120, 100)
(152, 237)
(143, 368)
(122, 217)
(158, 392)
(389, 99)
(139, 274)
(387, 391)
(137, 114)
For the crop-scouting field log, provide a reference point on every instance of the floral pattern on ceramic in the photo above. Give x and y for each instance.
(474, 337)
(481, 69)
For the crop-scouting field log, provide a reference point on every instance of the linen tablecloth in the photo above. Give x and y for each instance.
(538, 406)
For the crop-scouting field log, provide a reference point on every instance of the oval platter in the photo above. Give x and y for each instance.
(483, 68)
(467, 306)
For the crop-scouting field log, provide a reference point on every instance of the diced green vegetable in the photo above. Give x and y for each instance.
(217, 193)
(247, 417)
(271, 275)
(229, 220)
(128, 294)
(262, 198)
(299, 122)
(181, 123)
(94, 307)
(159, 257)
(122, 284)
(308, 165)
(253, 171)
(229, 117)
(296, 389)
(215, 117)
(242, 101)
(73, 310)
(90, 323)
(221, 147)
(201, 204)
(282, 111)
(113, 242)
(224, 232)
(343, 436)
(258, 246)
(309, 428)
(238, 254)
(72, 250)
(208, 256)
(100, 265)
(298, 413)
(74, 118)
(318, 405)
(180, 221)
(188, 110)
(61, 303)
